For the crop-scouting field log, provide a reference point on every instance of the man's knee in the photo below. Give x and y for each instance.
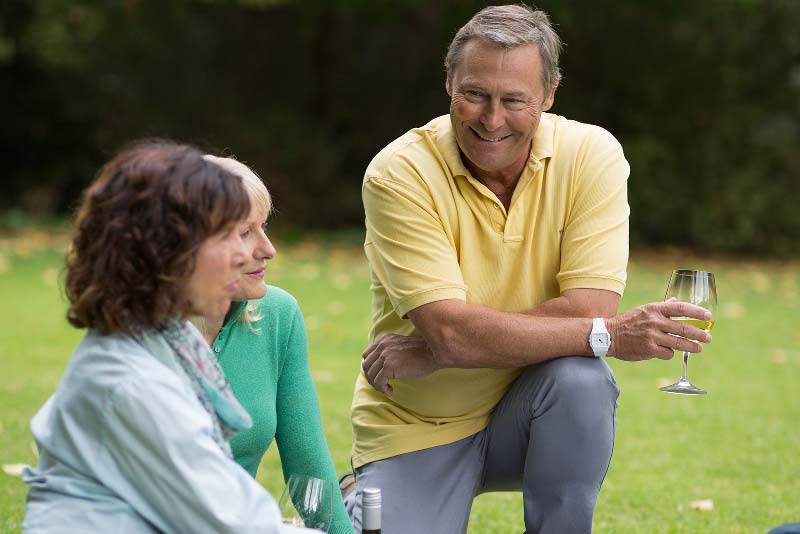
(584, 379)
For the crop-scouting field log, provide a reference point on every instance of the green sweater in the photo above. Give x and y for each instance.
(268, 371)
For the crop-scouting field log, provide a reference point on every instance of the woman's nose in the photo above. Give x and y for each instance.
(265, 249)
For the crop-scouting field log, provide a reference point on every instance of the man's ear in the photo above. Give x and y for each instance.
(548, 101)
(448, 86)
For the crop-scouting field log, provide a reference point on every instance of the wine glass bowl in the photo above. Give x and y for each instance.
(307, 501)
(694, 287)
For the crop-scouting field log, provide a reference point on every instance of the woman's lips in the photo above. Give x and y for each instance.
(257, 274)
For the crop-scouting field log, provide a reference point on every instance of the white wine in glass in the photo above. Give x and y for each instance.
(695, 287)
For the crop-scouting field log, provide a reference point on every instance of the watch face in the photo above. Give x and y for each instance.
(600, 339)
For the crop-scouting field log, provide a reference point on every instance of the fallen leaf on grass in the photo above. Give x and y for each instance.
(341, 281)
(50, 276)
(324, 376)
(310, 271)
(704, 505)
(732, 310)
(777, 356)
(14, 470)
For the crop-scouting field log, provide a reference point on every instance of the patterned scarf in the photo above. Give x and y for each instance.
(208, 381)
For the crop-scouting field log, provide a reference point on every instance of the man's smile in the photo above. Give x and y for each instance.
(488, 139)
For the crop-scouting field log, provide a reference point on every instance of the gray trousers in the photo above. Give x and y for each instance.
(551, 436)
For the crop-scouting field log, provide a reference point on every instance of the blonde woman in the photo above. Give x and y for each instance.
(261, 346)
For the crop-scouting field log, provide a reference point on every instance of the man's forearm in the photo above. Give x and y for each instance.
(470, 336)
(588, 303)
(456, 334)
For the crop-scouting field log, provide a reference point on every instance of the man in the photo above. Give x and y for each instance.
(497, 239)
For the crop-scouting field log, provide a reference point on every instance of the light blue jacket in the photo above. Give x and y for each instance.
(126, 447)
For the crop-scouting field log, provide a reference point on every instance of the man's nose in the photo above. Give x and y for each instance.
(492, 117)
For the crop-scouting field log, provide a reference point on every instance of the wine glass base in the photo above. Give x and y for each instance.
(683, 387)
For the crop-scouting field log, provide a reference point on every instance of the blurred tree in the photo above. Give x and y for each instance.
(704, 96)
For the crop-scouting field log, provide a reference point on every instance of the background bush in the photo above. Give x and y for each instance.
(704, 96)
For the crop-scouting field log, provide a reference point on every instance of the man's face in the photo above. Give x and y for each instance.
(496, 101)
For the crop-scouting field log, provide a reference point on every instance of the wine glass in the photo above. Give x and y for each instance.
(695, 287)
(307, 502)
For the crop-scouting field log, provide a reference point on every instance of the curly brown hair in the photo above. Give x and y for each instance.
(137, 232)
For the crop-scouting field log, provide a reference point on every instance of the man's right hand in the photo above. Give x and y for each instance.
(396, 357)
(648, 332)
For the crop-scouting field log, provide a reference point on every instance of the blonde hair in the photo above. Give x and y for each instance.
(259, 196)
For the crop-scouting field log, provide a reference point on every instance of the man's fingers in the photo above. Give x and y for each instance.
(674, 308)
(381, 382)
(374, 368)
(666, 354)
(370, 359)
(688, 331)
(369, 350)
(674, 342)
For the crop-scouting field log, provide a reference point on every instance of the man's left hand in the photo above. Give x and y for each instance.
(395, 356)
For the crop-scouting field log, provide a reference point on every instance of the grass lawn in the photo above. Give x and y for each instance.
(737, 446)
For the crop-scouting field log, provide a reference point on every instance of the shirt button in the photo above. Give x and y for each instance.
(216, 349)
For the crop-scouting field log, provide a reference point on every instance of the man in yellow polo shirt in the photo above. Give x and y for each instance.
(497, 238)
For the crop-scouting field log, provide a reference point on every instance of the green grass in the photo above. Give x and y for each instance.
(738, 446)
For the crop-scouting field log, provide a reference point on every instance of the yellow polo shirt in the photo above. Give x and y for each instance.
(434, 232)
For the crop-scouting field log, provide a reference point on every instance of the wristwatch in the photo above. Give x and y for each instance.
(599, 339)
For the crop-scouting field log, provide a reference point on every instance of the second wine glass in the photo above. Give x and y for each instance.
(307, 502)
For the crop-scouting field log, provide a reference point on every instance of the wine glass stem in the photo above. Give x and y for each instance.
(685, 367)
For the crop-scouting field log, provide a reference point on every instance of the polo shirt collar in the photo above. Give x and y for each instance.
(543, 138)
(446, 139)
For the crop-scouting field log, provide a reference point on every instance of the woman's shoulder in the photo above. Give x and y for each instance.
(111, 360)
(279, 301)
(105, 367)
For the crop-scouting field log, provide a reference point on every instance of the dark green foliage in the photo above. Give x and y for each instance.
(704, 96)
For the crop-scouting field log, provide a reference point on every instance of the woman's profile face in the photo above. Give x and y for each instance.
(259, 249)
(219, 266)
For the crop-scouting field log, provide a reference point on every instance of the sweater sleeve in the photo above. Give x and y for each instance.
(299, 434)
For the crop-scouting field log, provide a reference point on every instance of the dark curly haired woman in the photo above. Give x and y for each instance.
(136, 437)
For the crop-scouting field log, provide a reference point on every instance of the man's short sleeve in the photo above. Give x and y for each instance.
(408, 248)
(594, 251)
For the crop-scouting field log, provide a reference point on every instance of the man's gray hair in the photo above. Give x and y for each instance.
(510, 26)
